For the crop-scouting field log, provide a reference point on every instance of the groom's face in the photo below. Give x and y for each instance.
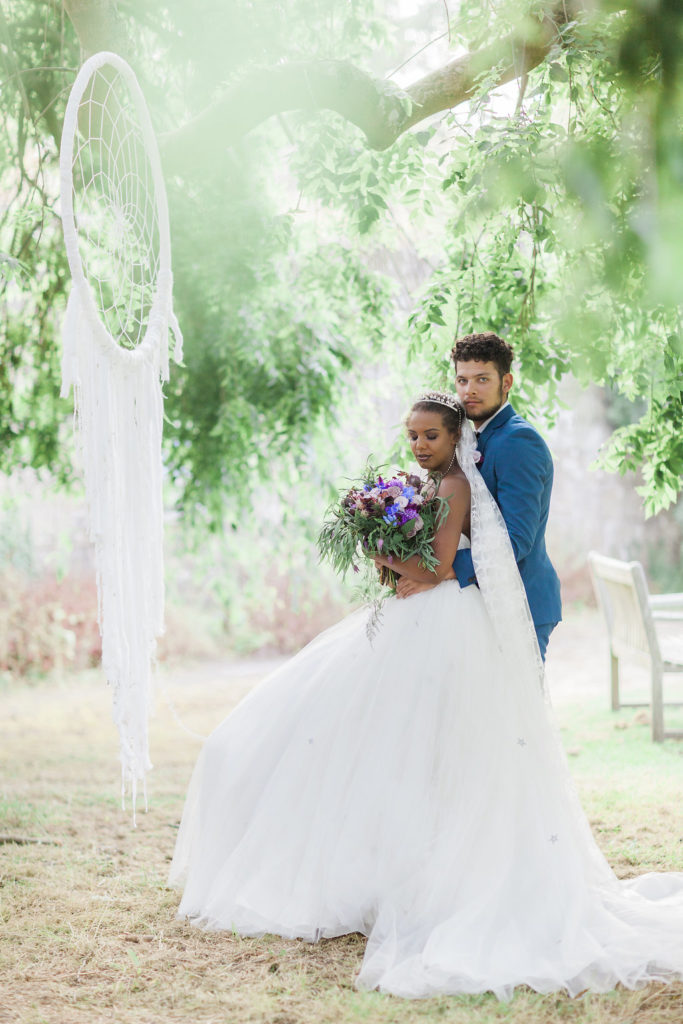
(481, 388)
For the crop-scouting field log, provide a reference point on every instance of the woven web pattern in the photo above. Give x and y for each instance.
(114, 206)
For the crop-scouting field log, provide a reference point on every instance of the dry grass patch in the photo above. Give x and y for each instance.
(89, 931)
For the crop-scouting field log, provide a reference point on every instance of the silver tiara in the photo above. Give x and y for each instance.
(446, 398)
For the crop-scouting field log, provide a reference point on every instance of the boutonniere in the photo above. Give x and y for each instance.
(478, 458)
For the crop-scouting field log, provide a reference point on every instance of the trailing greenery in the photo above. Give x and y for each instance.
(552, 213)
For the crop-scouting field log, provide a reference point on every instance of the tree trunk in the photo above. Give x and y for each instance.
(97, 26)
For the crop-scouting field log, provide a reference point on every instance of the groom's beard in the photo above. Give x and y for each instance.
(479, 413)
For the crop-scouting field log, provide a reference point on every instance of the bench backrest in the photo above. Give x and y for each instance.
(622, 593)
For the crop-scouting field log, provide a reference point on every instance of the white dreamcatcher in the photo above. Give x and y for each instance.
(116, 358)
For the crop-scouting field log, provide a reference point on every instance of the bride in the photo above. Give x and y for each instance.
(413, 788)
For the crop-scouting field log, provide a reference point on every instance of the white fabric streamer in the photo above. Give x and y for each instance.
(115, 222)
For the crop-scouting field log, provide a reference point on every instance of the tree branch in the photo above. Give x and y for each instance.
(377, 107)
(509, 58)
(381, 110)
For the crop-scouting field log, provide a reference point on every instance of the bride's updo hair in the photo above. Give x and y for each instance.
(447, 405)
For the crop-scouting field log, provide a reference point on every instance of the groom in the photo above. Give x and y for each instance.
(517, 469)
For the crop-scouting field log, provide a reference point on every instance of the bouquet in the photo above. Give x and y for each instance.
(396, 516)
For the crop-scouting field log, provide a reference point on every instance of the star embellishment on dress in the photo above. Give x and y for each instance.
(554, 838)
(521, 742)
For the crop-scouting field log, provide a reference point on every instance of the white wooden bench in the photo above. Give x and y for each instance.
(631, 614)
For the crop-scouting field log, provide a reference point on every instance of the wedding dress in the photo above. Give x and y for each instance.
(413, 788)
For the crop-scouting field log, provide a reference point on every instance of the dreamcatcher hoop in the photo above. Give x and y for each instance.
(84, 84)
(116, 232)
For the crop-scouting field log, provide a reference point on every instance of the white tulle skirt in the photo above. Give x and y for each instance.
(405, 789)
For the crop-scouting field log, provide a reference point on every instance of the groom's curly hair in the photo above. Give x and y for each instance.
(483, 348)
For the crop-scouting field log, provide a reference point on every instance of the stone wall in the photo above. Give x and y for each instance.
(592, 509)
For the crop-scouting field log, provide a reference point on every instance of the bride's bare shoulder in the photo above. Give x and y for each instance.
(454, 485)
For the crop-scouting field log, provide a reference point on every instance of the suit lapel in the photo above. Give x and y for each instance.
(489, 430)
(485, 464)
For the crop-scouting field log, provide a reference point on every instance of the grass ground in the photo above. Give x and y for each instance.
(88, 928)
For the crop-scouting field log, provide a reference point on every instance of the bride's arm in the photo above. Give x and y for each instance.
(446, 539)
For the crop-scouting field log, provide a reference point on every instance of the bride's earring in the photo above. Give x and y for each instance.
(450, 465)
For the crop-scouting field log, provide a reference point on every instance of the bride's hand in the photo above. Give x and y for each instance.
(406, 587)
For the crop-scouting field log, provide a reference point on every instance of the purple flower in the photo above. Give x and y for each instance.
(407, 514)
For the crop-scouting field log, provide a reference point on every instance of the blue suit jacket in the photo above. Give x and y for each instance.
(518, 470)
